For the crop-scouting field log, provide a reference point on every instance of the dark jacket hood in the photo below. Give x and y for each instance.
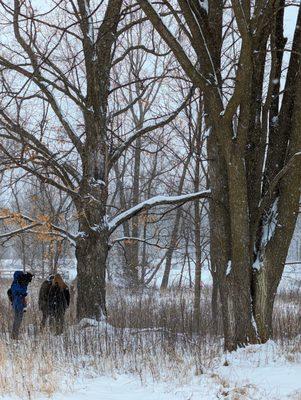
(17, 275)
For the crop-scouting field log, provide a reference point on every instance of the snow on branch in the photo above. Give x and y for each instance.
(130, 239)
(154, 202)
(204, 4)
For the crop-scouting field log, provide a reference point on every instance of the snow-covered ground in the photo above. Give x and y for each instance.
(127, 372)
(251, 374)
(258, 372)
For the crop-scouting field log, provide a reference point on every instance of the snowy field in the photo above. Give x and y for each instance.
(145, 352)
(258, 372)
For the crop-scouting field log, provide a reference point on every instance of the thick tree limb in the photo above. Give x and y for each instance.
(175, 46)
(154, 202)
(265, 201)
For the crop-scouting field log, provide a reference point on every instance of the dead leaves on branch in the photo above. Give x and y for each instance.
(18, 223)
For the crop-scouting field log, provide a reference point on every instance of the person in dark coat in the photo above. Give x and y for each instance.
(54, 299)
(43, 300)
(18, 293)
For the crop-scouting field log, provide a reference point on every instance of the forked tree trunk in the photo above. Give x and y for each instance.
(267, 278)
(286, 208)
(230, 245)
(237, 195)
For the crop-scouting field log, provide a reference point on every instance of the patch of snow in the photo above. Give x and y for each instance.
(97, 182)
(270, 224)
(229, 267)
(207, 132)
(257, 264)
(175, 275)
(274, 121)
(265, 368)
(204, 4)
(81, 235)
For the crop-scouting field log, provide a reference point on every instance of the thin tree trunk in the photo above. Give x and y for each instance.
(133, 262)
(197, 223)
(125, 226)
(214, 301)
(174, 234)
(182, 271)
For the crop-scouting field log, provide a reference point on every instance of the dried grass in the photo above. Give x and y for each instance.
(149, 334)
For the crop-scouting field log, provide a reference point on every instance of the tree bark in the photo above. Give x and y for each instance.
(91, 254)
(285, 210)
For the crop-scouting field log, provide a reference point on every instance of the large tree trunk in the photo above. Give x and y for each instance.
(277, 229)
(242, 173)
(220, 242)
(92, 242)
(92, 247)
(91, 254)
(241, 258)
(285, 212)
(230, 244)
(198, 268)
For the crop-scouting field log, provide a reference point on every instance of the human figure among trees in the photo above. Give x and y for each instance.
(17, 295)
(54, 299)
(43, 300)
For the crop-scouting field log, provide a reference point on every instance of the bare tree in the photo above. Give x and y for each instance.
(54, 118)
(253, 146)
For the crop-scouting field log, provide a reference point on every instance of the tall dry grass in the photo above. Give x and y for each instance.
(149, 333)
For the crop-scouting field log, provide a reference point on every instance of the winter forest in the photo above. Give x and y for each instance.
(150, 211)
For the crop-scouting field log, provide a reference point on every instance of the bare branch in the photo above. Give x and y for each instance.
(154, 202)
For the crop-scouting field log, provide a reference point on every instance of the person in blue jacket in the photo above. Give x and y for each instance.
(18, 293)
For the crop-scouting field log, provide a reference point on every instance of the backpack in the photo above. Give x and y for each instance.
(10, 295)
(44, 296)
